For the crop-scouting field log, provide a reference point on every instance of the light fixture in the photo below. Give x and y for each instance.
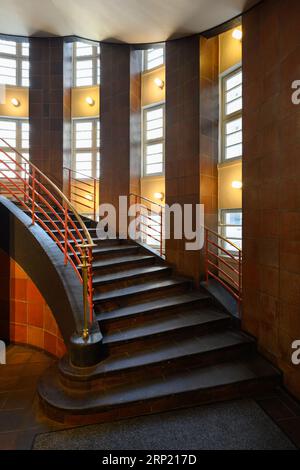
(236, 184)
(89, 197)
(15, 102)
(237, 34)
(90, 101)
(159, 196)
(159, 83)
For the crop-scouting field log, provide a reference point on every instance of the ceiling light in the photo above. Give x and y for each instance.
(159, 196)
(160, 83)
(90, 101)
(15, 102)
(237, 34)
(236, 184)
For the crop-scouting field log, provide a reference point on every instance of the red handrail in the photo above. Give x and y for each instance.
(218, 258)
(53, 211)
(81, 201)
(146, 222)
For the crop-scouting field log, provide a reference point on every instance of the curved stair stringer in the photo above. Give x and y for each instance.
(31, 247)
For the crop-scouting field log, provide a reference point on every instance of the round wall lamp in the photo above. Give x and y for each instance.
(159, 83)
(15, 102)
(237, 34)
(159, 196)
(236, 184)
(90, 101)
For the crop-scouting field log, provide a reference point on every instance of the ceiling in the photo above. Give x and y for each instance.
(131, 21)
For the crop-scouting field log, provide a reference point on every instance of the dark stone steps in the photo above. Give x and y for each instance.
(122, 262)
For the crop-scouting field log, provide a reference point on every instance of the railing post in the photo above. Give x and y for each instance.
(90, 282)
(33, 196)
(240, 282)
(206, 255)
(95, 198)
(66, 234)
(70, 183)
(161, 233)
(136, 218)
(85, 287)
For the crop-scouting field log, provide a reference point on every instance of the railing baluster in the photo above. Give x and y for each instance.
(33, 196)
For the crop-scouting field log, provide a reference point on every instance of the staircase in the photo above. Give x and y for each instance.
(166, 345)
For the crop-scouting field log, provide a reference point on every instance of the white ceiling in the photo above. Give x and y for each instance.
(132, 21)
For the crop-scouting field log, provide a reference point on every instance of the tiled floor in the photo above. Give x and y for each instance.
(21, 420)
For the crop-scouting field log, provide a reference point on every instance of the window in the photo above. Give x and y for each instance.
(14, 63)
(231, 228)
(16, 134)
(154, 57)
(153, 140)
(86, 64)
(232, 115)
(86, 148)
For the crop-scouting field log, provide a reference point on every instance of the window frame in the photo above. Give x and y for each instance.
(18, 147)
(94, 150)
(225, 119)
(19, 58)
(223, 226)
(146, 142)
(94, 57)
(146, 61)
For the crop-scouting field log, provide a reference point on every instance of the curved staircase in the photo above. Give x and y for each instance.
(166, 345)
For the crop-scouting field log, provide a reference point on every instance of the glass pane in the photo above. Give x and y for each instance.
(234, 126)
(233, 139)
(234, 151)
(234, 94)
(25, 48)
(154, 149)
(155, 134)
(83, 49)
(233, 81)
(233, 218)
(234, 106)
(84, 126)
(8, 47)
(8, 132)
(154, 114)
(84, 158)
(153, 169)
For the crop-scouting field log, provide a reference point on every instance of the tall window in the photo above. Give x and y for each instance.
(154, 57)
(153, 140)
(16, 134)
(232, 115)
(231, 227)
(86, 148)
(86, 64)
(14, 63)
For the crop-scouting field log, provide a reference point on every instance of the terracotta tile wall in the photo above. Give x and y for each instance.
(31, 320)
(271, 175)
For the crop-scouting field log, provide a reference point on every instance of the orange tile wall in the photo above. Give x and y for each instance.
(31, 320)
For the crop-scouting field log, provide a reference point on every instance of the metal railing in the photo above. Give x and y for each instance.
(223, 262)
(47, 205)
(82, 192)
(149, 222)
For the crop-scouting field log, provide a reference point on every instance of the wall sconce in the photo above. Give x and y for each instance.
(90, 101)
(89, 197)
(159, 83)
(159, 196)
(15, 102)
(236, 184)
(237, 34)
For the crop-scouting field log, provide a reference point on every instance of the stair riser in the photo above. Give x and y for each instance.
(116, 253)
(124, 266)
(160, 339)
(132, 299)
(235, 391)
(141, 318)
(136, 374)
(134, 281)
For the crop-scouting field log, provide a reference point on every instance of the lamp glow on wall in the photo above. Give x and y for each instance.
(159, 83)
(236, 184)
(15, 102)
(237, 34)
(90, 101)
(159, 196)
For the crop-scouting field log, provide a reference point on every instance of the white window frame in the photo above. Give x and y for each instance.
(94, 150)
(94, 57)
(19, 58)
(225, 119)
(18, 147)
(146, 67)
(146, 142)
(223, 226)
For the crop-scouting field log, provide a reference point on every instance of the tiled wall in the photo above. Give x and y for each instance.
(271, 175)
(31, 320)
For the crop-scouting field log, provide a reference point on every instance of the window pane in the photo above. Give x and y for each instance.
(154, 57)
(25, 48)
(7, 47)
(155, 114)
(234, 126)
(234, 106)
(153, 169)
(83, 49)
(233, 139)
(234, 94)
(154, 149)
(233, 81)
(8, 132)
(234, 151)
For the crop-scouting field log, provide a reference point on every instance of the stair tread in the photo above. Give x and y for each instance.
(201, 379)
(120, 260)
(129, 273)
(170, 324)
(112, 248)
(153, 305)
(140, 288)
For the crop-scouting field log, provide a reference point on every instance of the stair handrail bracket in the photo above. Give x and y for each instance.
(52, 210)
(223, 262)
